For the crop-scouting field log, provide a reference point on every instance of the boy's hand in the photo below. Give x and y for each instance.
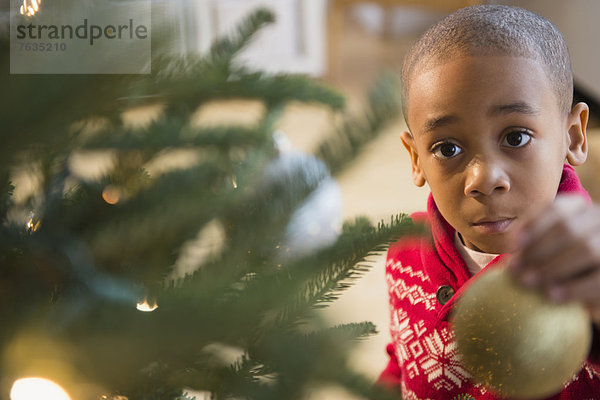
(559, 252)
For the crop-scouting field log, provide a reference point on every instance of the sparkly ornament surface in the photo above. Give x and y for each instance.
(316, 222)
(514, 341)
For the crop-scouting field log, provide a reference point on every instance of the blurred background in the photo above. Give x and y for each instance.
(347, 43)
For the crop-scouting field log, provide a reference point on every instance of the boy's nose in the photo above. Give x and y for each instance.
(485, 178)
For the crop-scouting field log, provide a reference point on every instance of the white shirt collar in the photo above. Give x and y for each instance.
(475, 260)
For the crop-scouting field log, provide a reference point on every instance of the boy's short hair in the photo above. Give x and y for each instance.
(495, 30)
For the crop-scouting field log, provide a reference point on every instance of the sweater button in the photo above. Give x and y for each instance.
(444, 294)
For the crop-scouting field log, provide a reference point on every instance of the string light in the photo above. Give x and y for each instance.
(145, 306)
(111, 194)
(33, 224)
(35, 388)
(30, 7)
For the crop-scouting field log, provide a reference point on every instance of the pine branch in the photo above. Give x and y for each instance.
(183, 92)
(355, 330)
(345, 143)
(6, 192)
(348, 258)
(170, 134)
(292, 290)
(318, 357)
(33, 118)
(223, 50)
(85, 260)
(176, 83)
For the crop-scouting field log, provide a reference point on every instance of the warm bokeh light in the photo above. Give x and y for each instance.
(32, 223)
(29, 7)
(146, 307)
(36, 389)
(111, 194)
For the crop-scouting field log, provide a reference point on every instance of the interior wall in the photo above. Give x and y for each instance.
(577, 20)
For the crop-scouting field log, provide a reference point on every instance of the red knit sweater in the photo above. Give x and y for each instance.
(422, 273)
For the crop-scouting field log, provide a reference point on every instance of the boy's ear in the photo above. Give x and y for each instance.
(417, 173)
(577, 125)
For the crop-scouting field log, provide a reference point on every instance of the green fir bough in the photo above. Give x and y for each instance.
(76, 254)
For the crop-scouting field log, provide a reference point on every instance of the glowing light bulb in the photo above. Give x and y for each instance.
(37, 388)
(146, 307)
(33, 224)
(29, 7)
(111, 194)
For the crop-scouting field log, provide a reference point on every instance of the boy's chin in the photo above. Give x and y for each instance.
(498, 244)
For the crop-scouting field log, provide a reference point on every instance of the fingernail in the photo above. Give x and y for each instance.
(556, 294)
(530, 278)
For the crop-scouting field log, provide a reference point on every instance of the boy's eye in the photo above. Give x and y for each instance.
(446, 150)
(516, 139)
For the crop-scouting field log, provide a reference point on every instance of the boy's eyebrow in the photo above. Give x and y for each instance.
(517, 107)
(437, 122)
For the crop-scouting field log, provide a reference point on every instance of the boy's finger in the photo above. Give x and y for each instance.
(563, 208)
(533, 245)
(573, 262)
(560, 238)
(583, 288)
(562, 250)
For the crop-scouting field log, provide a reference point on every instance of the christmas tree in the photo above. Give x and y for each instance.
(77, 254)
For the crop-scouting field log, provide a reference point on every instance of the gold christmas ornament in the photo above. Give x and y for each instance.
(514, 341)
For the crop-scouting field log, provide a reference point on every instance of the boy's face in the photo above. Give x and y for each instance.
(490, 140)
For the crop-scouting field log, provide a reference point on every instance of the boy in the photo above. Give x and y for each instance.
(487, 100)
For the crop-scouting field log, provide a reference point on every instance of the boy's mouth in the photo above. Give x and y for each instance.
(493, 225)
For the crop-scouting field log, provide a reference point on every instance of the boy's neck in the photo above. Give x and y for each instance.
(475, 260)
